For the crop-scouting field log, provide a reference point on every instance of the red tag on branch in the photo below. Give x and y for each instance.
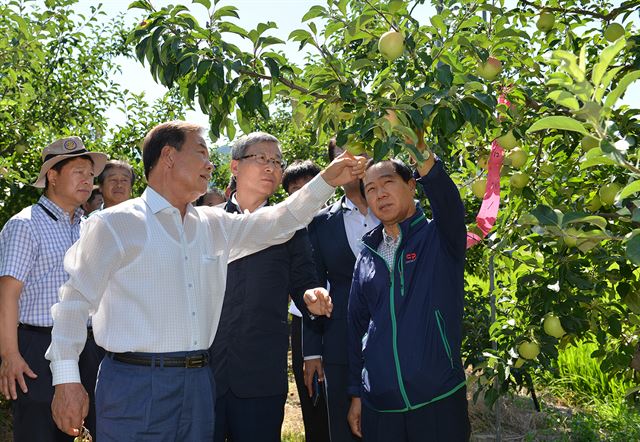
(488, 213)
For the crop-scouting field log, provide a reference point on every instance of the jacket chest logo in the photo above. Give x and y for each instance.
(410, 257)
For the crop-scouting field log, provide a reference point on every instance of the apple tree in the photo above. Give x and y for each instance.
(544, 80)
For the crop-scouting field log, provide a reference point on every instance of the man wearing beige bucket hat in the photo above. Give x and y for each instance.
(32, 247)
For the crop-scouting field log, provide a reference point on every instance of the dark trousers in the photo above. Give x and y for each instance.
(338, 402)
(32, 418)
(446, 420)
(160, 404)
(249, 419)
(316, 426)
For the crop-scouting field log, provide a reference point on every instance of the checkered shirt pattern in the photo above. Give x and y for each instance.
(387, 248)
(32, 249)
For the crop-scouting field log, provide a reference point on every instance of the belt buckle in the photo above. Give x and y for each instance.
(194, 361)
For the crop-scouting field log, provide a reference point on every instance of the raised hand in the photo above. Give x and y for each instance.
(344, 169)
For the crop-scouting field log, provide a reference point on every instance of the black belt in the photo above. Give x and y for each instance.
(47, 330)
(194, 361)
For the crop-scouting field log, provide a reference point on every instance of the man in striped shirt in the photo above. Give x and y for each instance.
(32, 247)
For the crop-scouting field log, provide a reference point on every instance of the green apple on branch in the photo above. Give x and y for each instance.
(529, 350)
(490, 69)
(545, 21)
(391, 45)
(553, 327)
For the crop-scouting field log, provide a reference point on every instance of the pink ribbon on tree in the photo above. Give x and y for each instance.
(488, 212)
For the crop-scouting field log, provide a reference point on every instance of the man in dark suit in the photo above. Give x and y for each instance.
(249, 352)
(335, 235)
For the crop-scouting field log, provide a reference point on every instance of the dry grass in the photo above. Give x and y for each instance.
(293, 426)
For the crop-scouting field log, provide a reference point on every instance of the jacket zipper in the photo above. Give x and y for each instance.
(394, 325)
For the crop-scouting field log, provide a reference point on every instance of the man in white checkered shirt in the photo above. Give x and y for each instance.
(32, 247)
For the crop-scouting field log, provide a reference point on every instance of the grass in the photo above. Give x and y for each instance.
(600, 408)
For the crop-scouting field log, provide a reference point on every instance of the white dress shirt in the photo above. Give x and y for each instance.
(154, 282)
(356, 224)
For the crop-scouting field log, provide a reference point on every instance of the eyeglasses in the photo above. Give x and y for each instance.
(263, 160)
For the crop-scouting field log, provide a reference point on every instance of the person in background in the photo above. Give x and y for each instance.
(116, 182)
(316, 425)
(155, 288)
(405, 310)
(33, 244)
(213, 197)
(335, 234)
(94, 202)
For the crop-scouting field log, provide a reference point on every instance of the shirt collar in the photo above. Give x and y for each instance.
(388, 239)
(156, 202)
(237, 204)
(58, 211)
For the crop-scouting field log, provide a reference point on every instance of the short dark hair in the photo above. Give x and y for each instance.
(117, 164)
(399, 168)
(331, 149)
(94, 193)
(58, 166)
(212, 191)
(297, 170)
(172, 133)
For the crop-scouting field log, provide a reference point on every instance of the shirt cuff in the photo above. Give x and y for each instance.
(309, 358)
(65, 372)
(353, 391)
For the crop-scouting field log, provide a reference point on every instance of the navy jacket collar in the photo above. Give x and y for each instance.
(373, 238)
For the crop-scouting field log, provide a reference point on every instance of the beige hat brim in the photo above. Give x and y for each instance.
(99, 161)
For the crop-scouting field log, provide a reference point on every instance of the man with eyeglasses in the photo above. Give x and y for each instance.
(249, 353)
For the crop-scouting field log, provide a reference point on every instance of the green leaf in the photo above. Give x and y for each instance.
(621, 88)
(207, 4)
(315, 11)
(300, 35)
(233, 28)
(438, 23)
(633, 250)
(141, 4)
(629, 189)
(606, 57)
(572, 218)
(225, 11)
(606, 81)
(589, 239)
(570, 64)
(564, 98)
(547, 216)
(558, 122)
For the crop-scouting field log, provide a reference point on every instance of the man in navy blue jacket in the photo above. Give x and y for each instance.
(405, 310)
(335, 234)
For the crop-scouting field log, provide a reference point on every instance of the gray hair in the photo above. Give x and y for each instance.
(243, 143)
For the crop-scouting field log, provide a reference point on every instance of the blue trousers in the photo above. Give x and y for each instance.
(158, 403)
(249, 419)
(446, 420)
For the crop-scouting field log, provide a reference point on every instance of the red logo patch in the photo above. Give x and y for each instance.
(410, 257)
